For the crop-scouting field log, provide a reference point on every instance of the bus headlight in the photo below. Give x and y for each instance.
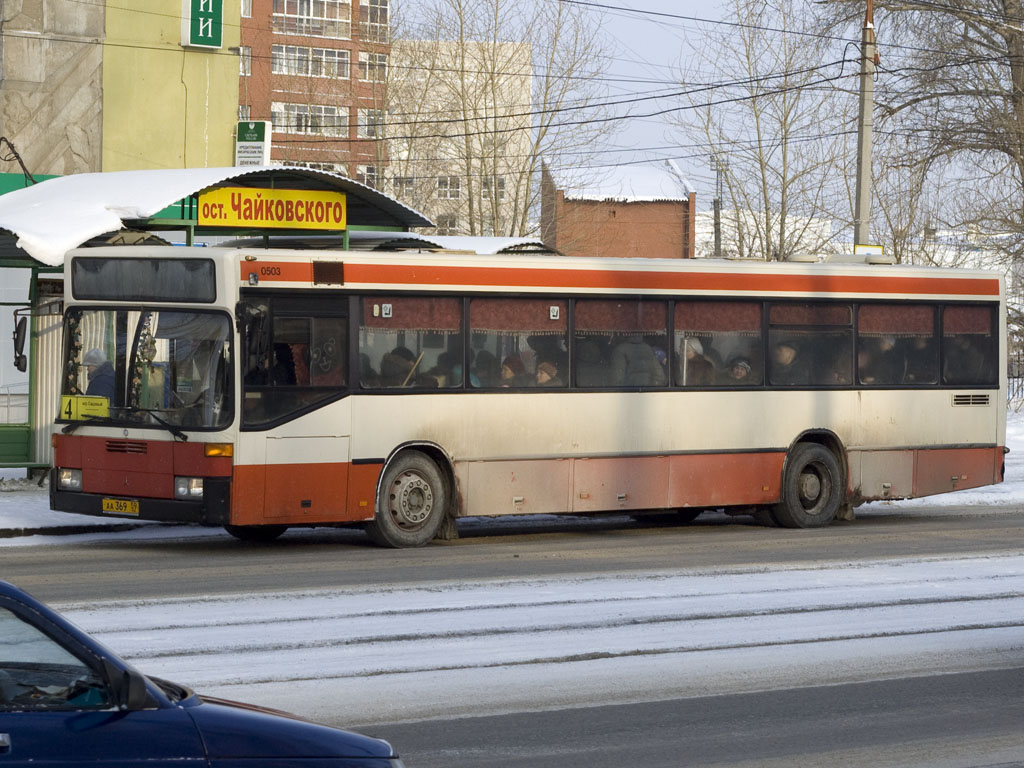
(69, 479)
(188, 488)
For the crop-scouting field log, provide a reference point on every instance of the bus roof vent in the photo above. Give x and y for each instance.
(803, 258)
(328, 272)
(862, 258)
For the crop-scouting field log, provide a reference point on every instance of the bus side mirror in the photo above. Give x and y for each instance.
(20, 329)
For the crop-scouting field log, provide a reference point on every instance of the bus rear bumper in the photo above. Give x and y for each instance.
(213, 509)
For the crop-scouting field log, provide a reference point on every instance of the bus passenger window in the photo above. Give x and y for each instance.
(621, 343)
(896, 345)
(968, 345)
(810, 345)
(410, 342)
(518, 343)
(718, 343)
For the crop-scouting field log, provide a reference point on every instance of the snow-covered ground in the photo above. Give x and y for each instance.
(385, 653)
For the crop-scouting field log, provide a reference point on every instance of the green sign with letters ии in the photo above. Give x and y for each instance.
(202, 23)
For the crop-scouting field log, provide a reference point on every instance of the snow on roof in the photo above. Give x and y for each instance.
(485, 246)
(54, 216)
(626, 183)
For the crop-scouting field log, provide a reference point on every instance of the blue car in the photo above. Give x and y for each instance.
(65, 700)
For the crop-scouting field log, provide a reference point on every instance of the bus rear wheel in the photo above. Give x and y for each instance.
(812, 488)
(255, 532)
(411, 504)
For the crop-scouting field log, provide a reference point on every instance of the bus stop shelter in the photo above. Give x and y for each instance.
(40, 223)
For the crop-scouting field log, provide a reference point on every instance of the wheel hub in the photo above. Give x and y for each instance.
(411, 499)
(810, 488)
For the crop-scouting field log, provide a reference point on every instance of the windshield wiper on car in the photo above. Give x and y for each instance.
(178, 434)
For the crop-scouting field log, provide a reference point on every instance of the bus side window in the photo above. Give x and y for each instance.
(896, 345)
(518, 343)
(410, 342)
(728, 335)
(621, 343)
(968, 345)
(810, 344)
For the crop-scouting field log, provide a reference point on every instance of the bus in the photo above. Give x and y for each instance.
(261, 388)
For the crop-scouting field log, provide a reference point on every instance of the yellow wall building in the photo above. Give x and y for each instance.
(167, 104)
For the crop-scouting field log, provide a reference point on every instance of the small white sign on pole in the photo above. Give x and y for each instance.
(252, 142)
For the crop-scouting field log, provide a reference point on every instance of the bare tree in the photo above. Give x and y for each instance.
(479, 91)
(777, 118)
(950, 93)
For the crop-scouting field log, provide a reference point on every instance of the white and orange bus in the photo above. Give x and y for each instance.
(258, 388)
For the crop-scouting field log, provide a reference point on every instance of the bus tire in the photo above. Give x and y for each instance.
(812, 488)
(256, 532)
(411, 504)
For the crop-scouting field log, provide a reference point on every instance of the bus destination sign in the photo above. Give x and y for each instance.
(272, 208)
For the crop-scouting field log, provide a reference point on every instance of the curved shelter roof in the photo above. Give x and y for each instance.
(54, 216)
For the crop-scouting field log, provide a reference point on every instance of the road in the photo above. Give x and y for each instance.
(114, 566)
(893, 640)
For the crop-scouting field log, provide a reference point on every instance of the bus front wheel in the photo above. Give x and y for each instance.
(411, 504)
(812, 488)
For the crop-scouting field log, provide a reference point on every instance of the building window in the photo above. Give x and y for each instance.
(371, 124)
(314, 119)
(373, 21)
(289, 60)
(246, 9)
(317, 18)
(309, 62)
(245, 61)
(404, 186)
(373, 66)
(448, 187)
(367, 174)
(493, 187)
(330, 62)
(243, 111)
(330, 167)
(447, 225)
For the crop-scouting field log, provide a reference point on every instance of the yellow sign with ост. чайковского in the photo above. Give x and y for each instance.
(272, 208)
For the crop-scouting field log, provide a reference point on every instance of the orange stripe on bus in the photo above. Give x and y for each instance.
(689, 281)
(277, 271)
(531, 277)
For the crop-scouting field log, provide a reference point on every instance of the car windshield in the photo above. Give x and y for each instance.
(37, 673)
(166, 368)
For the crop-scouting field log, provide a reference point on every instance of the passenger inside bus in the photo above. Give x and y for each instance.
(590, 365)
(513, 372)
(634, 364)
(100, 373)
(486, 370)
(737, 373)
(695, 370)
(880, 362)
(547, 375)
(789, 366)
(396, 367)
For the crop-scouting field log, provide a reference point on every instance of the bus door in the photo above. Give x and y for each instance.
(296, 416)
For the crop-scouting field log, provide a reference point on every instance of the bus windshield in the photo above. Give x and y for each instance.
(151, 366)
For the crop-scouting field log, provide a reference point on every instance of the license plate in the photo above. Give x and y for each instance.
(121, 506)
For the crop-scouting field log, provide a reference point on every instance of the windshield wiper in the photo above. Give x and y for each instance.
(178, 434)
(69, 428)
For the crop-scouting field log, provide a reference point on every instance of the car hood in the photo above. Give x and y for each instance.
(233, 729)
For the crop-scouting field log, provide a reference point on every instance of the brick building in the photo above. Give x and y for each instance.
(619, 211)
(317, 71)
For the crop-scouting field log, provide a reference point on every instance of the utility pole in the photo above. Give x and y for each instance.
(718, 165)
(862, 205)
